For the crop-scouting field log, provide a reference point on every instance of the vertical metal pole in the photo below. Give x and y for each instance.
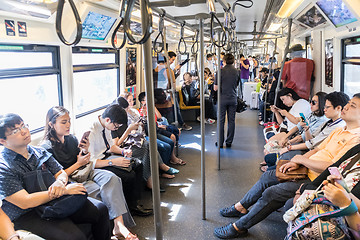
(172, 80)
(271, 70)
(202, 113)
(286, 51)
(218, 75)
(149, 88)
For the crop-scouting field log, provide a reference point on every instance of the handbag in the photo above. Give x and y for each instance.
(64, 206)
(241, 105)
(82, 173)
(293, 175)
(321, 220)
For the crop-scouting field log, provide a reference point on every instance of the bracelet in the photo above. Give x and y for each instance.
(351, 209)
(14, 235)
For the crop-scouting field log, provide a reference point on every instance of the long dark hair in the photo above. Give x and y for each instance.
(51, 116)
(287, 91)
(321, 100)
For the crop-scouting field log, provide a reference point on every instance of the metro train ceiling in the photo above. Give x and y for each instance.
(262, 11)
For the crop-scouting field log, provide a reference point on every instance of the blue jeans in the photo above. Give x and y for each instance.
(266, 196)
(241, 87)
(165, 147)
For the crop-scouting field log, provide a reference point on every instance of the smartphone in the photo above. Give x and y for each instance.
(85, 136)
(303, 119)
(335, 171)
(184, 62)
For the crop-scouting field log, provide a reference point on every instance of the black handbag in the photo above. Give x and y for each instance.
(64, 206)
(241, 105)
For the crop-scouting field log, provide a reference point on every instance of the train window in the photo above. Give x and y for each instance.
(351, 66)
(96, 79)
(30, 80)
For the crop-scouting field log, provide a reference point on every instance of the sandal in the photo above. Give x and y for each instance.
(167, 176)
(263, 163)
(181, 162)
(264, 168)
(131, 236)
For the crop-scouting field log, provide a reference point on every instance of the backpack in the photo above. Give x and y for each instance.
(160, 96)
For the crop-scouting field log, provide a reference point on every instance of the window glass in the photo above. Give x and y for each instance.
(93, 58)
(13, 60)
(351, 79)
(352, 50)
(30, 97)
(94, 89)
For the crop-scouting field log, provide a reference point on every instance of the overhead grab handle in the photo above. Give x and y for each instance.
(147, 21)
(59, 13)
(243, 3)
(195, 46)
(182, 40)
(212, 11)
(160, 34)
(113, 36)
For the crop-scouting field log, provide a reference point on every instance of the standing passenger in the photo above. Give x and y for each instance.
(244, 74)
(229, 81)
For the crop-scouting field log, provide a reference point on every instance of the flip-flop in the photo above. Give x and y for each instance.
(167, 176)
(181, 162)
(264, 168)
(263, 163)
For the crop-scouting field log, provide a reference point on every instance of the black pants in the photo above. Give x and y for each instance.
(229, 109)
(132, 183)
(93, 212)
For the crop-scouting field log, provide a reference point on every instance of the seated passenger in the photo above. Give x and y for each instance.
(289, 119)
(133, 138)
(163, 136)
(18, 158)
(6, 227)
(268, 194)
(100, 184)
(311, 123)
(334, 103)
(191, 94)
(335, 193)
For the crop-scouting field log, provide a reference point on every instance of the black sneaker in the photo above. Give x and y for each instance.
(230, 212)
(186, 127)
(228, 231)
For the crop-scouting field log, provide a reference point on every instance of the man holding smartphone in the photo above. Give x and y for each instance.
(268, 194)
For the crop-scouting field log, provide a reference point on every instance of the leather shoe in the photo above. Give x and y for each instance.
(228, 145)
(139, 210)
(216, 144)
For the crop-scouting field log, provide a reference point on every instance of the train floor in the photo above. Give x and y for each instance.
(181, 206)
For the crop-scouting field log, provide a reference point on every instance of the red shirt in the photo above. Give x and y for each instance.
(297, 75)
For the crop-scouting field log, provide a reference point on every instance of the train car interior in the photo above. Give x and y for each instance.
(84, 54)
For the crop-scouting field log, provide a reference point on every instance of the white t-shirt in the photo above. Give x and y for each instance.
(97, 144)
(300, 106)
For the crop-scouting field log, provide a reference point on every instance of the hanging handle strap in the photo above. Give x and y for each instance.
(113, 36)
(182, 40)
(59, 13)
(147, 29)
(160, 34)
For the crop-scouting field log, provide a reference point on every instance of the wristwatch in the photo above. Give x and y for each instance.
(110, 163)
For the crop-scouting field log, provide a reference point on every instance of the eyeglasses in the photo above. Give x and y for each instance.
(117, 126)
(17, 130)
(313, 102)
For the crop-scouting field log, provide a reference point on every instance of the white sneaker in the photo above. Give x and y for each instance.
(198, 118)
(210, 121)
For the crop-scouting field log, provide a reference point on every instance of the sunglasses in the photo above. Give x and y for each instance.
(313, 102)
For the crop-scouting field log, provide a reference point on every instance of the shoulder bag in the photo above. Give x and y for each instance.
(294, 175)
(82, 173)
(64, 206)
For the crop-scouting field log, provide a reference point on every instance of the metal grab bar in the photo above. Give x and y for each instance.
(59, 13)
(160, 34)
(182, 40)
(147, 28)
